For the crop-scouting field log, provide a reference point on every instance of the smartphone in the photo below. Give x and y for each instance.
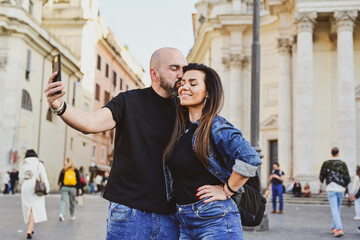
(56, 67)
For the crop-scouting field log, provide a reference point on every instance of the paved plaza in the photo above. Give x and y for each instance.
(300, 222)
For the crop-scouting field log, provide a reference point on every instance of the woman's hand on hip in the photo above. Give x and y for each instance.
(212, 192)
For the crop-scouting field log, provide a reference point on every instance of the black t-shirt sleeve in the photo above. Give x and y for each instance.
(117, 106)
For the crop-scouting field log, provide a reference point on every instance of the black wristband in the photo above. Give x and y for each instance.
(62, 110)
(227, 184)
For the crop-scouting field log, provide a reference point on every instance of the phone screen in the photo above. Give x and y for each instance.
(56, 67)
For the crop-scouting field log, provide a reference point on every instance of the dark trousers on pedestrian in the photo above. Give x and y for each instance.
(277, 191)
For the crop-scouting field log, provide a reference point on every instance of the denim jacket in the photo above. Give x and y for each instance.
(236, 155)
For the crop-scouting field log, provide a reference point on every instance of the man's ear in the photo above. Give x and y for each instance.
(154, 75)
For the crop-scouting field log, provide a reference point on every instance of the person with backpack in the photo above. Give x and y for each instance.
(207, 160)
(69, 183)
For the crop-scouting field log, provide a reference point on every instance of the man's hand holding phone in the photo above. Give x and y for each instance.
(54, 98)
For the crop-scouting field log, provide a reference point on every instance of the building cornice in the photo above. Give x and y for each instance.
(326, 6)
(15, 22)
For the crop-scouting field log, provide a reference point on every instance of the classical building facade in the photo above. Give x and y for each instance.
(31, 32)
(310, 85)
(26, 121)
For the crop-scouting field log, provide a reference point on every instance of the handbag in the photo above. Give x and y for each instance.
(80, 200)
(40, 188)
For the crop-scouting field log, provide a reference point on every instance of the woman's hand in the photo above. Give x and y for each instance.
(212, 192)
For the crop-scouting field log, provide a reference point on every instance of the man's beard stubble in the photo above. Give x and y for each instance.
(170, 89)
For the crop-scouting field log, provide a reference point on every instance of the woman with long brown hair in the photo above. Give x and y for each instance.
(207, 160)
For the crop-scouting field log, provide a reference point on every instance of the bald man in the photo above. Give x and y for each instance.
(144, 119)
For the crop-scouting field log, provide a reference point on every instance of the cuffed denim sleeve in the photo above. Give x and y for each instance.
(234, 148)
(244, 169)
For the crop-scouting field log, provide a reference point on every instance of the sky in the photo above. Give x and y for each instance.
(146, 25)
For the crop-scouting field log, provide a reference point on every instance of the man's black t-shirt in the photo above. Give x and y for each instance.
(144, 122)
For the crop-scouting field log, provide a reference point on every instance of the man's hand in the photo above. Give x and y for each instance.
(54, 100)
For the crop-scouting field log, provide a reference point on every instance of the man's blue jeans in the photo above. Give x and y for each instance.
(277, 190)
(335, 200)
(129, 223)
(216, 220)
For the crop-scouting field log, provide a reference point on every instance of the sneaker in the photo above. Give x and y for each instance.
(73, 217)
(333, 230)
(61, 217)
(338, 233)
(280, 212)
(358, 229)
(356, 218)
(273, 211)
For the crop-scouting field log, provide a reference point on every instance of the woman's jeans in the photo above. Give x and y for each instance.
(335, 200)
(277, 190)
(129, 223)
(216, 220)
(66, 193)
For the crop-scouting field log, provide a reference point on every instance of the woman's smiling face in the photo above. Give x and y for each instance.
(192, 90)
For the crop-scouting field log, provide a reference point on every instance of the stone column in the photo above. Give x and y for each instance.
(304, 90)
(246, 97)
(285, 103)
(225, 80)
(346, 87)
(235, 90)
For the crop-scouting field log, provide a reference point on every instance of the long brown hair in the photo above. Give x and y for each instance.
(212, 107)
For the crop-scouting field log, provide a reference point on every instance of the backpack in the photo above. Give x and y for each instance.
(70, 177)
(251, 204)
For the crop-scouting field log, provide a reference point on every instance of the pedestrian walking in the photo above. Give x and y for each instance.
(355, 187)
(144, 119)
(33, 206)
(202, 143)
(277, 179)
(336, 174)
(69, 183)
(83, 180)
(14, 177)
(354, 198)
(6, 182)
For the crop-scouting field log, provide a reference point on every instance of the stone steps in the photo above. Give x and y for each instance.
(315, 199)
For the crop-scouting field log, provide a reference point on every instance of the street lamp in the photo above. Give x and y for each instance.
(255, 92)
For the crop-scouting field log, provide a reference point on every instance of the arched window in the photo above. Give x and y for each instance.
(26, 100)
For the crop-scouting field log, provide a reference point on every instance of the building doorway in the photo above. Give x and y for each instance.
(273, 153)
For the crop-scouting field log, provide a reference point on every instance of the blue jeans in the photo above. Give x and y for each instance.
(216, 220)
(129, 223)
(335, 200)
(277, 190)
